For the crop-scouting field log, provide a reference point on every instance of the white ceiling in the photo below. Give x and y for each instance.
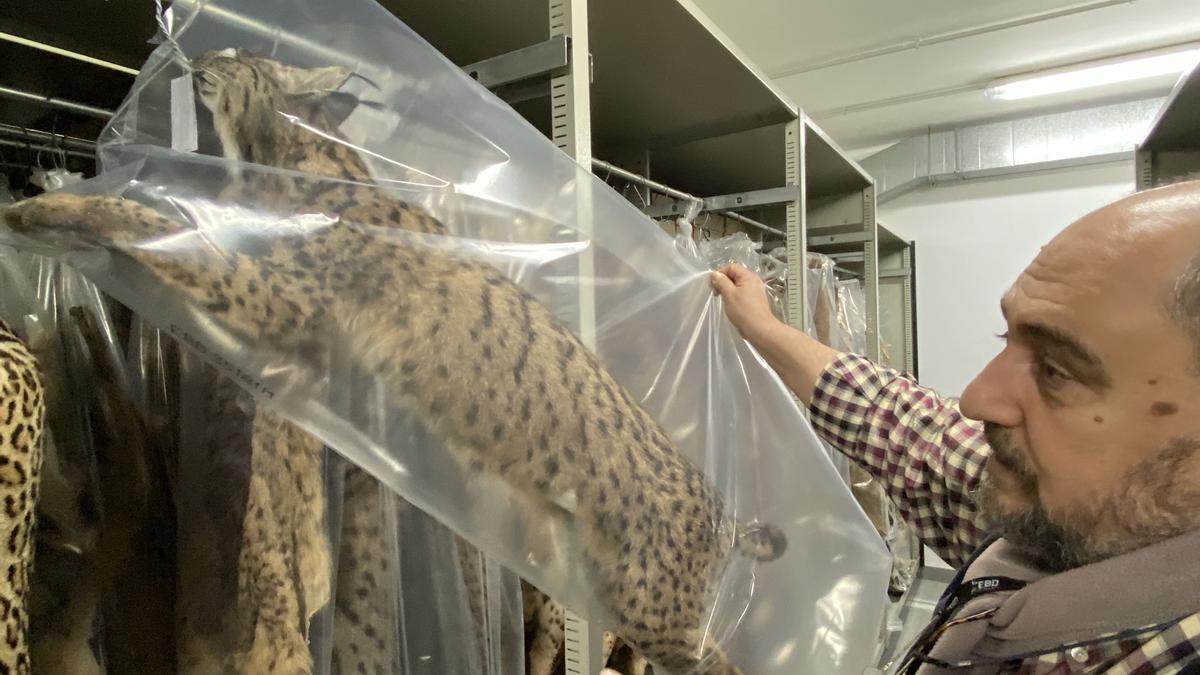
(870, 102)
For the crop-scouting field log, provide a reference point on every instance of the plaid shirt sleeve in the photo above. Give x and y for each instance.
(918, 445)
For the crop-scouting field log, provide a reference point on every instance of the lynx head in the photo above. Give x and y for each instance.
(249, 96)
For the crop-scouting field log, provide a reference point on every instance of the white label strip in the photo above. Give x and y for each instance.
(184, 136)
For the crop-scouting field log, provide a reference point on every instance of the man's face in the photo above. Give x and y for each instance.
(1091, 406)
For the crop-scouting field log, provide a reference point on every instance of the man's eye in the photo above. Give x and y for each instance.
(1051, 374)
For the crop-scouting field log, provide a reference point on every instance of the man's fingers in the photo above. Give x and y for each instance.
(740, 275)
(733, 271)
(721, 282)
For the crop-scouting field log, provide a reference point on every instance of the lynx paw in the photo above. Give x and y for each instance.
(103, 220)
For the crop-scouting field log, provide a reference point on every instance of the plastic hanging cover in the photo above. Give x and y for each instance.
(852, 316)
(823, 301)
(54, 179)
(101, 594)
(738, 248)
(559, 384)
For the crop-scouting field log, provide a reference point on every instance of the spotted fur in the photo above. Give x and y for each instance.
(552, 422)
(22, 414)
(245, 94)
(367, 620)
(63, 595)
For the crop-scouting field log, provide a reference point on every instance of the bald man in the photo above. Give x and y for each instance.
(1065, 483)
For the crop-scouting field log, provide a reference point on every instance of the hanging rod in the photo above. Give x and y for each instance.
(679, 194)
(46, 148)
(81, 144)
(59, 51)
(82, 108)
(646, 182)
(733, 215)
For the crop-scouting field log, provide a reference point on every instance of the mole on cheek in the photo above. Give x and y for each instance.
(1163, 408)
(1152, 383)
(1098, 419)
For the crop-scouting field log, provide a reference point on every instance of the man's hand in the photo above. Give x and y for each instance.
(797, 358)
(746, 302)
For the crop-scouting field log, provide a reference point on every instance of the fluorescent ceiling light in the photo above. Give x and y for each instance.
(34, 44)
(1096, 74)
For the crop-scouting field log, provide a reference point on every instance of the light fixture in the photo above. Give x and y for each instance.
(1128, 68)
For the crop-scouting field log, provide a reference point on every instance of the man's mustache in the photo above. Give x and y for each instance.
(1005, 453)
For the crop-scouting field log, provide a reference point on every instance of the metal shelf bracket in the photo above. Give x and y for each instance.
(541, 59)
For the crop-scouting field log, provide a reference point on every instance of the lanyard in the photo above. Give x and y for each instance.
(972, 589)
(957, 594)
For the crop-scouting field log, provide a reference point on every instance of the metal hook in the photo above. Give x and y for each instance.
(59, 154)
(642, 199)
(37, 156)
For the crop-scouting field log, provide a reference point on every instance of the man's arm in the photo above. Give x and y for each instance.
(919, 446)
(927, 456)
(798, 358)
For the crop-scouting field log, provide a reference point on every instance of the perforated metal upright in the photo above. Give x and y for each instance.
(797, 232)
(571, 130)
(910, 311)
(871, 270)
(1144, 169)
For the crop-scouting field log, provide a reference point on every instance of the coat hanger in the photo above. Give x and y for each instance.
(58, 144)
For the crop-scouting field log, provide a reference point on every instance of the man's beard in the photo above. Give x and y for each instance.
(1156, 501)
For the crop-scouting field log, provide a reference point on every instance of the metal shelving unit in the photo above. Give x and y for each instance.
(840, 198)
(1171, 150)
(897, 301)
(895, 283)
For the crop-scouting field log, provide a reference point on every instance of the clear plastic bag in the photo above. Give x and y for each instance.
(851, 316)
(822, 300)
(101, 592)
(736, 248)
(852, 331)
(105, 579)
(739, 249)
(54, 179)
(637, 486)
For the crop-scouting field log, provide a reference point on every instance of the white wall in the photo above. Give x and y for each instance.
(972, 241)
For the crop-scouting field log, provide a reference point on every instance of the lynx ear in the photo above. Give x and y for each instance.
(310, 81)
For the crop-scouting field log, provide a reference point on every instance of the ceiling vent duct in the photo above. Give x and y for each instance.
(1088, 136)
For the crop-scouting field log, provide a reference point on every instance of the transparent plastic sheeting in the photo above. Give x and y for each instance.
(89, 410)
(740, 249)
(851, 316)
(160, 571)
(823, 301)
(651, 502)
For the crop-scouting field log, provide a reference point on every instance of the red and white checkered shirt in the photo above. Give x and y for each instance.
(929, 457)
